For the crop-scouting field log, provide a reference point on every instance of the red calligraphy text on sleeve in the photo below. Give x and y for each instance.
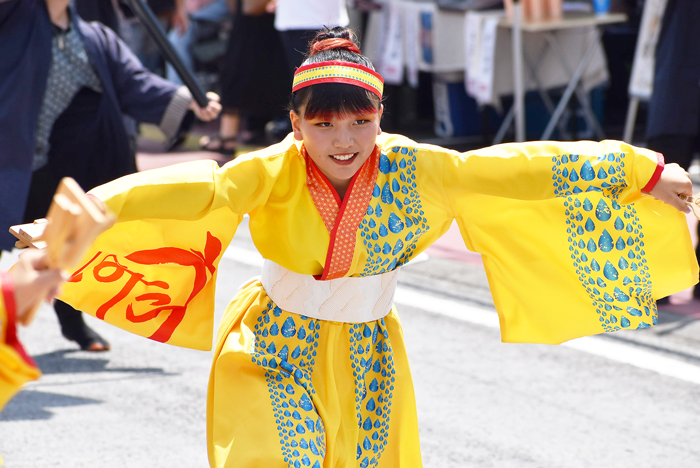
(110, 270)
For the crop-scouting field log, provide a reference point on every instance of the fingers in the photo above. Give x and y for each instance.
(214, 107)
(49, 280)
(33, 280)
(674, 181)
(682, 206)
(33, 259)
(210, 112)
(99, 203)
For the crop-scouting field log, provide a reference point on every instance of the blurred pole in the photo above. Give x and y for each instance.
(519, 92)
(632, 109)
(146, 16)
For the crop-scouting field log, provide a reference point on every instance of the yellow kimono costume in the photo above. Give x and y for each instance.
(16, 366)
(570, 247)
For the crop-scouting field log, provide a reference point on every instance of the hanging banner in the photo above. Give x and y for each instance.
(391, 60)
(480, 46)
(642, 78)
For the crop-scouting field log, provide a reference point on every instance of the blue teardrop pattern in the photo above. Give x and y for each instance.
(605, 242)
(610, 272)
(384, 164)
(590, 225)
(619, 224)
(591, 175)
(602, 211)
(587, 172)
(395, 223)
(600, 182)
(620, 244)
(387, 195)
(391, 229)
(288, 378)
(372, 362)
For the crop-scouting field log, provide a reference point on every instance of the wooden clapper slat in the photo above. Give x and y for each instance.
(71, 226)
(693, 202)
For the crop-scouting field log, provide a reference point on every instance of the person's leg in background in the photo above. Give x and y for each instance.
(73, 327)
(295, 44)
(226, 141)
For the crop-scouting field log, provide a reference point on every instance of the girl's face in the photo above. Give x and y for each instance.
(338, 144)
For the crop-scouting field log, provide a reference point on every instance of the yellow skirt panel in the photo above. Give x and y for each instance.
(291, 391)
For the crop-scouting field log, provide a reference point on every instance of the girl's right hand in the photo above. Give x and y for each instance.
(674, 181)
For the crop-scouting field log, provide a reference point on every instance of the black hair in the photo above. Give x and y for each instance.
(334, 98)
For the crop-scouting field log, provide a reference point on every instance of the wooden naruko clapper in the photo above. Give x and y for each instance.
(69, 229)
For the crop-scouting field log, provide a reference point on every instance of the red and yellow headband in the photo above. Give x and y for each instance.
(338, 72)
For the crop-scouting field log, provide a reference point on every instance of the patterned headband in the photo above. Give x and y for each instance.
(338, 72)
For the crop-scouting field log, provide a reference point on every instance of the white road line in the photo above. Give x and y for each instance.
(637, 357)
(618, 352)
(447, 307)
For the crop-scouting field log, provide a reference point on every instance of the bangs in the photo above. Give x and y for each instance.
(326, 99)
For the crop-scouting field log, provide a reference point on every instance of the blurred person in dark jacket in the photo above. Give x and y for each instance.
(673, 124)
(65, 87)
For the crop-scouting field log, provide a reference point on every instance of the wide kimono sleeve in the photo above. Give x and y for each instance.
(570, 243)
(154, 272)
(16, 366)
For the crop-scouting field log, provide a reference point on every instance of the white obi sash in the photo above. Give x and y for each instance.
(349, 300)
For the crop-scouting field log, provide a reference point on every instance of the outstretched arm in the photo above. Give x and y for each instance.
(547, 169)
(147, 97)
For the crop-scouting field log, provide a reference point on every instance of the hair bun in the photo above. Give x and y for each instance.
(337, 38)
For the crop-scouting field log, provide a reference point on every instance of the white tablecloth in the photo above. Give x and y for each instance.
(405, 37)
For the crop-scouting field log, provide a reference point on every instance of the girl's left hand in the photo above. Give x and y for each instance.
(211, 111)
(33, 281)
(674, 181)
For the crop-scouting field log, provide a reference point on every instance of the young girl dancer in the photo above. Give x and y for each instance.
(309, 366)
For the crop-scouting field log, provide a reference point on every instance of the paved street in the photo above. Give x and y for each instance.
(631, 399)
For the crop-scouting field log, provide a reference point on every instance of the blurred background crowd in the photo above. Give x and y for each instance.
(246, 51)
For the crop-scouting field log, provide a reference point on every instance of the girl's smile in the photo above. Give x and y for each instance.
(343, 158)
(338, 144)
